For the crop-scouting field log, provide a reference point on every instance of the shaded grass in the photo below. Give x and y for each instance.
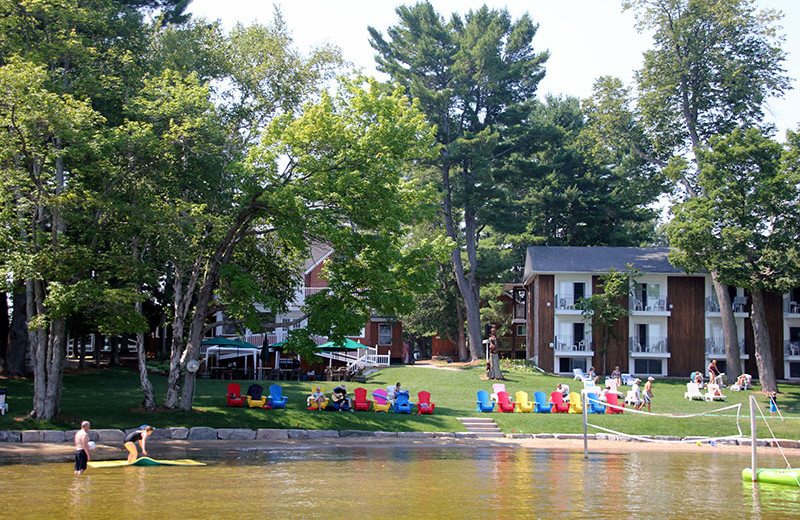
(111, 398)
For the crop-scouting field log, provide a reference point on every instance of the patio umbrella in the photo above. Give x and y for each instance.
(347, 344)
(228, 342)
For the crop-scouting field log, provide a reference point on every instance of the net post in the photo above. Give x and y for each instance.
(585, 436)
(753, 437)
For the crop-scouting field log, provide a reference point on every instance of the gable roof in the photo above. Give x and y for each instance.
(319, 252)
(562, 259)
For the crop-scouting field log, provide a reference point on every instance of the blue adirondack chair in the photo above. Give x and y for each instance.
(484, 404)
(276, 397)
(402, 404)
(594, 407)
(540, 402)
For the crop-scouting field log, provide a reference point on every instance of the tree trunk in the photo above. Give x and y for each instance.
(4, 328)
(82, 352)
(38, 343)
(732, 360)
(463, 355)
(181, 301)
(766, 370)
(114, 355)
(149, 402)
(494, 368)
(56, 352)
(19, 340)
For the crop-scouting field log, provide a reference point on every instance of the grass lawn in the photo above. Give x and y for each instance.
(111, 398)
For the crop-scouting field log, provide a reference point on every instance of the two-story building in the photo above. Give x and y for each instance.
(674, 324)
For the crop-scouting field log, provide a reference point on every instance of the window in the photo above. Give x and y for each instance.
(520, 330)
(568, 364)
(577, 332)
(647, 366)
(384, 334)
(579, 289)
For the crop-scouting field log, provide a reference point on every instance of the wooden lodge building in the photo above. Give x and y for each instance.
(674, 325)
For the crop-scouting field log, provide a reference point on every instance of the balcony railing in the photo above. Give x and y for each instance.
(568, 301)
(791, 348)
(739, 304)
(569, 344)
(302, 293)
(649, 345)
(791, 307)
(716, 347)
(651, 304)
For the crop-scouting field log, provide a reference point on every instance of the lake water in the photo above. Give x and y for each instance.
(403, 483)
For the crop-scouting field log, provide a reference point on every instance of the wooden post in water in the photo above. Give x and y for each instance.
(585, 437)
(753, 437)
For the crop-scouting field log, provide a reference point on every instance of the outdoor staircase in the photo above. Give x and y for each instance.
(481, 426)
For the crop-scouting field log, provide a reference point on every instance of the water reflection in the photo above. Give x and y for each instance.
(407, 483)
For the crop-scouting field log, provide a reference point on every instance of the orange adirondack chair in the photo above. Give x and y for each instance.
(424, 404)
(559, 406)
(613, 400)
(361, 403)
(504, 403)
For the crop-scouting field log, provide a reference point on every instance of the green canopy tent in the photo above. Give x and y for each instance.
(227, 348)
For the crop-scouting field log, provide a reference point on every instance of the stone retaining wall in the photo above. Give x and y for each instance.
(111, 436)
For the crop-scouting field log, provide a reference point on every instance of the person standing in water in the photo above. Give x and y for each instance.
(82, 448)
(140, 435)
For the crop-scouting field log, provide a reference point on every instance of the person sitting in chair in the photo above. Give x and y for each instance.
(339, 398)
(697, 377)
(318, 398)
(616, 374)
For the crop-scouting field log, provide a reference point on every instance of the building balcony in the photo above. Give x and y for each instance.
(648, 347)
(654, 305)
(568, 303)
(791, 309)
(568, 346)
(739, 305)
(791, 350)
(715, 349)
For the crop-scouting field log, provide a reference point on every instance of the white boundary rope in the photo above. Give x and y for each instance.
(738, 408)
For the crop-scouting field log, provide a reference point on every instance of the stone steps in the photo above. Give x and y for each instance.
(481, 426)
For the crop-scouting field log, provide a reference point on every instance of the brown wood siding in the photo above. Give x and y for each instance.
(545, 320)
(616, 354)
(686, 325)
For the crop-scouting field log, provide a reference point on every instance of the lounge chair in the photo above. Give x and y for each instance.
(504, 403)
(627, 379)
(612, 386)
(632, 398)
(496, 389)
(693, 392)
(381, 403)
(276, 397)
(484, 404)
(234, 395)
(311, 404)
(714, 393)
(575, 403)
(612, 402)
(541, 404)
(522, 405)
(3, 404)
(361, 403)
(256, 397)
(402, 404)
(424, 404)
(593, 403)
(579, 375)
(745, 379)
(559, 406)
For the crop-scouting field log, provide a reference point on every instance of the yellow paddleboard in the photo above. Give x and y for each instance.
(143, 461)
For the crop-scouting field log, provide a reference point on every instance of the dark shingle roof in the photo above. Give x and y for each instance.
(557, 259)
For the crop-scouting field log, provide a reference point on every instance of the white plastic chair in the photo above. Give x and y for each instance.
(693, 392)
(3, 404)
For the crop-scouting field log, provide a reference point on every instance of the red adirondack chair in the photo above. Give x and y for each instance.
(559, 406)
(504, 403)
(235, 395)
(613, 399)
(424, 405)
(361, 403)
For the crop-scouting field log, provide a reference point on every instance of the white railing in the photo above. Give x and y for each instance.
(656, 303)
(568, 344)
(791, 348)
(567, 301)
(716, 346)
(651, 345)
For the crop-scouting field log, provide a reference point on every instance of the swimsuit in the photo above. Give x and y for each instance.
(133, 437)
(647, 396)
(81, 458)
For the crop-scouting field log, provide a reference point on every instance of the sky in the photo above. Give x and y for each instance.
(586, 38)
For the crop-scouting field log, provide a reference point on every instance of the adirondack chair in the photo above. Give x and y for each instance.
(522, 405)
(559, 406)
(313, 404)
(402, 403)
(339, 400)
(632, 398)
(256, 397)
(381, 403)
(612, 400)
(424, 404)
(484, 404)
(593, 404)
(542, 406)
(276, 398)
(575, 403)
(361, 403)
(579, 375)
(504, 403)
(496, 389)
(234, 395)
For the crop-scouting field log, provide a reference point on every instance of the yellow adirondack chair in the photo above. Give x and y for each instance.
(575, 403)
(522, 404)
(313, 405)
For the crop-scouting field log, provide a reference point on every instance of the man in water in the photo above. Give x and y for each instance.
(82, 448)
